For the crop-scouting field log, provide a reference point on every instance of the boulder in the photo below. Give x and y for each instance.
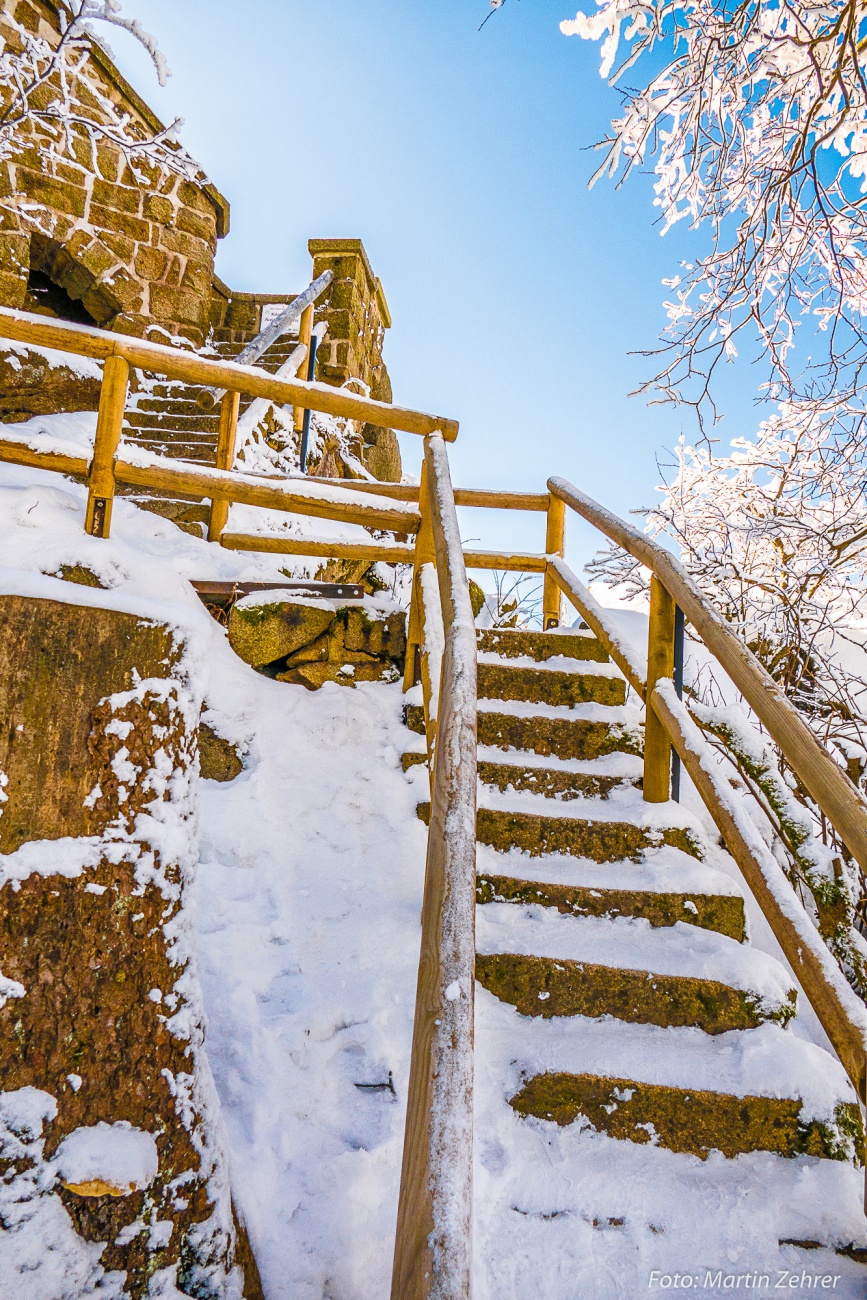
(260, 633)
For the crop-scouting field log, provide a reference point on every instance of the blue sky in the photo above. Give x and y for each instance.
(462, 159)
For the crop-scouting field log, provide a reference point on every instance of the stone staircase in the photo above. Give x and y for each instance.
(619, 990)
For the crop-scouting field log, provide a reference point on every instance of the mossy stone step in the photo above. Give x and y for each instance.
(601, 841)
(689, 1120)
(515, 643)
(548, 686)
(552, 782)
(723, 913)
(563, 737)
(545, 986)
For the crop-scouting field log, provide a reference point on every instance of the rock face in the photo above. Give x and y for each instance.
(100, 1012)
(308, 642)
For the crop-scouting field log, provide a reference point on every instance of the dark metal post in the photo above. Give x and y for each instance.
(678, 686)
(305, 428)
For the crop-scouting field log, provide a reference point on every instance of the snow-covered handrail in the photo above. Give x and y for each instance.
(189, 367)
(840, 1012)
(839, 800)
(249, 355)
(433, 1244)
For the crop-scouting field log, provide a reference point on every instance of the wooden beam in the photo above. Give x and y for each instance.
(842, 1014)
(335, 550)
(511, 563)
(491, 500)
(476, 497)
(843, 804)
(660, 665)
(555, 536)
(175, 476)
(433, 1244)
(229, 406)
(109, 422)
(18, 453)
(190, 368)
(601, 624)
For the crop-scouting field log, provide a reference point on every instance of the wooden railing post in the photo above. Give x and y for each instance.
(660, 663)
(109, 421)
(433, 1242)
(229, 406)
(305, 334)
(555, 533)
(425, 553)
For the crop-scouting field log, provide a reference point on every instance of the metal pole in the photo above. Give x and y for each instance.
(678, 686)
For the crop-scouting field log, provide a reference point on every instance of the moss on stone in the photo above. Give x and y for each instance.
(562, 737)
(691, 1121)
(507, 682)
(723, 913)
(259, 634)
(219, 760)
(541, 986)
(601, 841)
(515, 642)
(554, 783)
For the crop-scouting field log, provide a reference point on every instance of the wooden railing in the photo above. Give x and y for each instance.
(841, 1013)
(433, 1241)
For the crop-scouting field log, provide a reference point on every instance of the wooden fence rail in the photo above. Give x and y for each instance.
(843, 1016)
(433, 1242)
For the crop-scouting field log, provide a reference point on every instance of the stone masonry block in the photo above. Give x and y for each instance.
(181, 305)
(120, 197)
(71, 199)
(197, 276)
(122, 222)
(201, 224)
(108, 160)
(158, 209)
(150, 263)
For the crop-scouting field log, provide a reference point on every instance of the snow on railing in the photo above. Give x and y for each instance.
(433, 1245)
(841, 1013)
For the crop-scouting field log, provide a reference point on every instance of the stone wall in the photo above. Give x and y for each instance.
(128, 244)
(132, 247)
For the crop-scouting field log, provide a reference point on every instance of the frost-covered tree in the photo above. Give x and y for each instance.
(753, 117)
(46, 93)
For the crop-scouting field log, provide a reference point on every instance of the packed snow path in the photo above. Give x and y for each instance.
(643, 1106)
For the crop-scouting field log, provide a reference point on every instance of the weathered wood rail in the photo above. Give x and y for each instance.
(432, 1257)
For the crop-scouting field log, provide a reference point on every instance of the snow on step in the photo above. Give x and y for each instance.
(663, 868)
(676, 1088)
(631, 944)
(624, 804)
(562, 663)
(662, 895)
(765, 1062)
(618, 763)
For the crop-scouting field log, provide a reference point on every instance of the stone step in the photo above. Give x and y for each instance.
(504, 681)
(552, 782)
(663, 1068)
(578, 738)
(543, 986)
(600, 841)
(515, 643)
(170, 420)
(723, 913)
(693, 1121)
(549, 965)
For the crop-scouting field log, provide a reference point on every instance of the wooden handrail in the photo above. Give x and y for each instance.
(843, 805)
(190, 368)
(249, 355)
(432, 1254)
(842, 1015)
